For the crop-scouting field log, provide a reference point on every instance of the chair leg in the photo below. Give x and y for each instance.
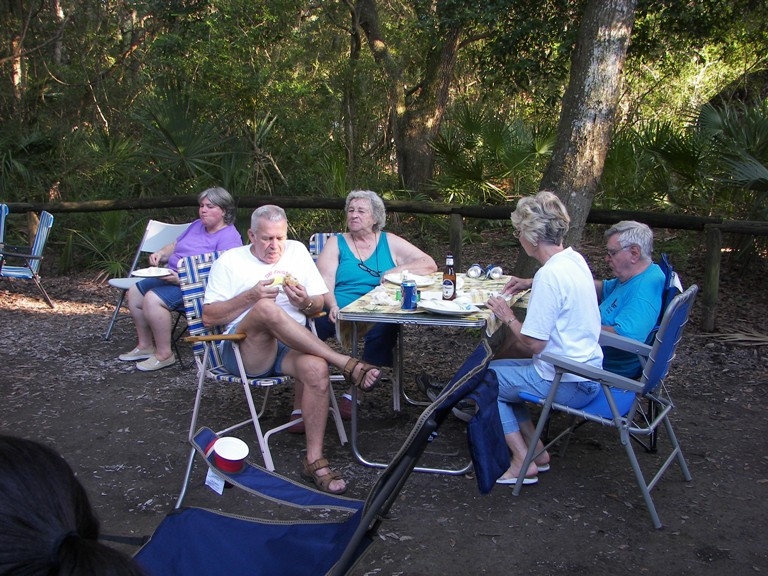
(334, 409)
(187, 475)
(176, 337)
(115, 315)
(36, 278)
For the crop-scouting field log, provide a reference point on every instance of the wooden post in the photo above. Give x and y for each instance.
(714, 242)
(455, 233)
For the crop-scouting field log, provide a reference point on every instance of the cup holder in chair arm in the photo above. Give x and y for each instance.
(269, 485)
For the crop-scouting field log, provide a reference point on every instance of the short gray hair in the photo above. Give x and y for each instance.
(377, 206)
(222, 199)
(542, 218)
(268, 212)
(631, 232)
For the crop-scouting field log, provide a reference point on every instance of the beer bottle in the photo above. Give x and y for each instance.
(449, 279)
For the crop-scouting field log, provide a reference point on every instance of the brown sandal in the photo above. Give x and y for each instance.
(321, 482)
(359, 382)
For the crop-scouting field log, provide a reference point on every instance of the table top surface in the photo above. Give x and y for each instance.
(380, 304)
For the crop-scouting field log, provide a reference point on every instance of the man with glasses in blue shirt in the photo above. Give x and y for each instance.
(630, 303)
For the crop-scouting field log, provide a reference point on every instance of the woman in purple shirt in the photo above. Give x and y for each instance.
(151, 300)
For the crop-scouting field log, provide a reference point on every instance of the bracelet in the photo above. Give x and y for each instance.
(510, 321)
(306, 308)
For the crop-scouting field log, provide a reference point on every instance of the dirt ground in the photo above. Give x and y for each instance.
(124, 433)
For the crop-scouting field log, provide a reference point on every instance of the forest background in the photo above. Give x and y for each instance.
(448, 100)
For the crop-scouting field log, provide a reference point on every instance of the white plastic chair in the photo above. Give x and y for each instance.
(156, 236)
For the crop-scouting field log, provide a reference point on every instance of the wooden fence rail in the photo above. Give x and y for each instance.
(713, 228)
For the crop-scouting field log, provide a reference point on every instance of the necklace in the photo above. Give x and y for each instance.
(362, 264)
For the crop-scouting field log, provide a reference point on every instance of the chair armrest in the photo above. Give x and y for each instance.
(623, 343)
(19, 252)
(237, 337)
(565, 365)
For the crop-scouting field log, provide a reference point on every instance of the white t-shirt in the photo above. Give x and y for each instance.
(563, 310)
(238, 270)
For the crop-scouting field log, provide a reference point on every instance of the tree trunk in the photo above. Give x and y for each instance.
(588, 110)
(416, 114)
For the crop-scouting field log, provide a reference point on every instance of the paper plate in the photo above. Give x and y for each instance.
(420, 280)
(152, 272)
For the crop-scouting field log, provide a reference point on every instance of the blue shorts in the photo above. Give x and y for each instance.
(170, 294)
(520, 375)
(230, 362)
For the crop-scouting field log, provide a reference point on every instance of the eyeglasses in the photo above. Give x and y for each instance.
(611, 253)
(371, 271)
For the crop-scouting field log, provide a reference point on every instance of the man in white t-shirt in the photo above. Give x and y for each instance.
(266, 290)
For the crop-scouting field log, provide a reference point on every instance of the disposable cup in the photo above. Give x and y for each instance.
(229, 454)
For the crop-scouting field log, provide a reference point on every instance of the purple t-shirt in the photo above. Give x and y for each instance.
(195, 240)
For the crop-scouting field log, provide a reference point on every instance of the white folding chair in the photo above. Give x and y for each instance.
(156, 236)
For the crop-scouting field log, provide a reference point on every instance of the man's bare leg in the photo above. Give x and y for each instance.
(267, 322)
(312, 372)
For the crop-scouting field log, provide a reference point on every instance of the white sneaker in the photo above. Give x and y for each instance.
(152, 363)
(137, 354)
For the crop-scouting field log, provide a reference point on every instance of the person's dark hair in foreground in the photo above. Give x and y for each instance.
(47, 527)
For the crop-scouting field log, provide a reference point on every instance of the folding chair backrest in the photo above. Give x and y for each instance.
(157, 235)
(193, 275)
(38, 244)
(317, 241)
(667, 338)
(3, 214)
(672, 287)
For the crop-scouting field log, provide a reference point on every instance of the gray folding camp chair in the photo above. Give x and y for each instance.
(618, 405)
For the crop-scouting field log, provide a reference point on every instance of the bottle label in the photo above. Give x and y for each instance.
(449, 289)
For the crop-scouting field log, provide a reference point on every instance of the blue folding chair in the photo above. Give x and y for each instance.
(198, 542)
(3, 214)
(618, 405)
(28, 256)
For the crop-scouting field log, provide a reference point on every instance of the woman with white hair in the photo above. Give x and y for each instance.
(353, 264)
(562, 318)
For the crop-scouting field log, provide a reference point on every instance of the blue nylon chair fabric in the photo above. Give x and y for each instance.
(485, 435)
(198, 542)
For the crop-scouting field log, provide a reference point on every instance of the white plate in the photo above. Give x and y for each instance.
(152, 272)
(420, 280)
(450, 307)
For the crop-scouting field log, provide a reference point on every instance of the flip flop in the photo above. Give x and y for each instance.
(543, 467)
(527, 481)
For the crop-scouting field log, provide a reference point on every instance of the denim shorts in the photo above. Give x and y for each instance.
(230, 362)
(170, 294)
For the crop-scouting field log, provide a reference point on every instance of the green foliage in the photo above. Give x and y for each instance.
(107, 248)
(485, 158)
